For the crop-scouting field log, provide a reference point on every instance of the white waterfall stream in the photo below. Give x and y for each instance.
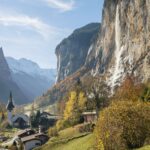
(118, 69)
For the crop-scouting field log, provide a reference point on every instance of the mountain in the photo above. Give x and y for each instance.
(120, 47)
(32, 79)
(7, 84)
(72, 51)
(123, 45)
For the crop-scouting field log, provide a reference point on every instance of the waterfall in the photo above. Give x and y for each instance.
(117, 70)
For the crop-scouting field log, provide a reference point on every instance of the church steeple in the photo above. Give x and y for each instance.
(10, 106)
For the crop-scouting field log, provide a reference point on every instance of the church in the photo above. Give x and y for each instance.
(16, 120)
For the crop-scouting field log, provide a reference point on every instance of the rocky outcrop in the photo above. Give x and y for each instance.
(72, 51)
(123, 46)
(7, 84)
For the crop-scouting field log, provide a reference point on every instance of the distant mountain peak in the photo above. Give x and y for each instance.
(27, 73)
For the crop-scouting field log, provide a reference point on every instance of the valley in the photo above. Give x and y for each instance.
(98, 98)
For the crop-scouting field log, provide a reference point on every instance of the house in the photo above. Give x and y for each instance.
(47, 120)
(24, 133)
(26, 140)
(18, 120)
(49, 116)
(89, 116)
(33, 141)
(3, 138)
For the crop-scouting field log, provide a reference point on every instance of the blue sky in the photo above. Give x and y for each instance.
(32, 28)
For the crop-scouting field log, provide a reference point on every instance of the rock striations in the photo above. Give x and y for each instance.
(121, 46)
(72, 51)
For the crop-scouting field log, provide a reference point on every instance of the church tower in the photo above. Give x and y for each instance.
(10, 106)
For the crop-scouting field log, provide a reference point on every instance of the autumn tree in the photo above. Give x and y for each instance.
(97, 92)
(71, 113)
(129, 90)
(145, 96)
(123, 125)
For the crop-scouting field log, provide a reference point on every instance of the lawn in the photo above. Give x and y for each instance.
(80, 143)
(83, 143)
(70, 139)
(145, 148)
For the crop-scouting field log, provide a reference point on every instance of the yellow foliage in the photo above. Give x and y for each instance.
(70, 105)
(82, 100)
(123, 125)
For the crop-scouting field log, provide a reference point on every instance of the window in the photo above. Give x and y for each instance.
(37, 144)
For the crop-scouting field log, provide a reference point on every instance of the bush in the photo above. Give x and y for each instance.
(53, 132)
(86, 128)
(123, 125)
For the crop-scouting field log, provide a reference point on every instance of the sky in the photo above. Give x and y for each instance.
(33, 28)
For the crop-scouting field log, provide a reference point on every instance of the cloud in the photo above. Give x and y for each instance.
(62, 5)
(33, 23)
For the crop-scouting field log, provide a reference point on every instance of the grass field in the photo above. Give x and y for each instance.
(83, 143)
(70, 139)
(145, 148)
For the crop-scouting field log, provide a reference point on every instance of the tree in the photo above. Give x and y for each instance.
(123, 125)
(97, 92)
(129, 90)
(35, 119)
(82, 100)
(2, 116)
(71, 109)
(146, 94)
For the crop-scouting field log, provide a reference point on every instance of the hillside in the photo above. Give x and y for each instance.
(121, 48)
(7, 84)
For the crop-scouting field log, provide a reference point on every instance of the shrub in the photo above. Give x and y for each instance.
(53, 132)
(123, 125)
(86, 128)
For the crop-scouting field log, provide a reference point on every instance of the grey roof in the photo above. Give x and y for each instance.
(33, 137)
(23, 131)
(29, 138)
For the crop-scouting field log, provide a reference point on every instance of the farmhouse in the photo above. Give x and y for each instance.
(30, 142)
(33, 141)
(89, 116)
(24, 133)
(47, 120)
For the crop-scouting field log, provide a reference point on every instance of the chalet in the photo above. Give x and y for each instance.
(24, 133)
(26, 140)
(47, 120)
(89, 116)
(30, 142)
(3, 138)
(33, 141)
(17, 120)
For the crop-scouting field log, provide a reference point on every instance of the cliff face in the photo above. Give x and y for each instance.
(123, 47)
(72, 51)
(4, 69)
(7, 84)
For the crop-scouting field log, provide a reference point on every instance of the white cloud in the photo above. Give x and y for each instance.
(62, 5)
(34, 23)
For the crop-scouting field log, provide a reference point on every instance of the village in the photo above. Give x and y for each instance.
(27, 136)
